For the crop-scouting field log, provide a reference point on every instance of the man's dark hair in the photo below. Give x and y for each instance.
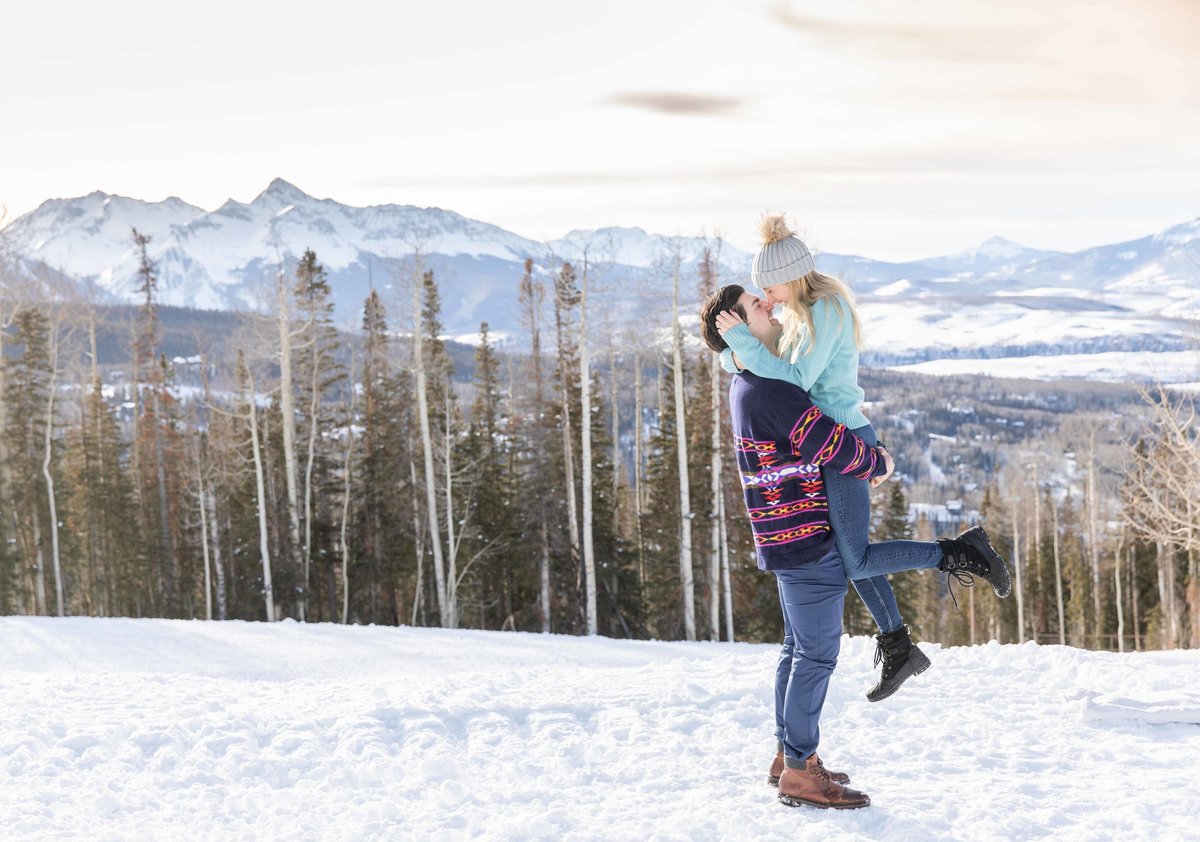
(726, 298)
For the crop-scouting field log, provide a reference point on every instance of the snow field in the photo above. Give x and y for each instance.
(154, 729)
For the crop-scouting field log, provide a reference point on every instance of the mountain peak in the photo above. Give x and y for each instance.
(282, 191)
(999, 241)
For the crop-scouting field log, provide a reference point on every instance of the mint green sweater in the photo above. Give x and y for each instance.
(828, 372)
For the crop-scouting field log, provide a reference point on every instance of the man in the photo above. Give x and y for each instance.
(783, 441)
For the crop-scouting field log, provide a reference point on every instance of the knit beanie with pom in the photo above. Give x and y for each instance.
(782, 258)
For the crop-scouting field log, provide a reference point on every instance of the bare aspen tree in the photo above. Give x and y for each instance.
(685, 504)
(585, 430)
(1133, 598)
(1162, 484)
(725, 583)
(348, 464)
(1058, 581)
(1117, 583)
(287, 411)
(208, 503)
(452, 543)
(203, 507)
(47, 474)
(709, 283)
(422, 389)
(530, 294)
(246, 379)
(638, 467)
(1017, 569)
(1093, 534)
(566, 296)
(418, 544)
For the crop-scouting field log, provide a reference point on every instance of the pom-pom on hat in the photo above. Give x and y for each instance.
(782, 258)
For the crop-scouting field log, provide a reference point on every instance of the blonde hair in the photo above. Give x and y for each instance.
(802, 294)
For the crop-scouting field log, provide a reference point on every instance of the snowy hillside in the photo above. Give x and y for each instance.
(999, 299)
(119, 729)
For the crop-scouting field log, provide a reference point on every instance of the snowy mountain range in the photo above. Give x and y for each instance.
(997, 300)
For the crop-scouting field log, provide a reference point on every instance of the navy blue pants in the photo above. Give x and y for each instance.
(811, 598)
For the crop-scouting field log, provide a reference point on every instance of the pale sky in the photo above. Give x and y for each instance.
(895, 129)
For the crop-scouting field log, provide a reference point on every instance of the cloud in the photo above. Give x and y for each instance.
(924, 43)
(677, 103)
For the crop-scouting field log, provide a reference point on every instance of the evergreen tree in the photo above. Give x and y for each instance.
(318, 376)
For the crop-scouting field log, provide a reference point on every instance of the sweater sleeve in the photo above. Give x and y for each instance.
(801, 369)
(727, 362)
(755, 356)
(817, 438)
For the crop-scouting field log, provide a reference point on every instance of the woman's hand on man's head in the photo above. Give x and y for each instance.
(727, 319)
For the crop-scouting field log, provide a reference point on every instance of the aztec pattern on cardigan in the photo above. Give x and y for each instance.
(782, 442)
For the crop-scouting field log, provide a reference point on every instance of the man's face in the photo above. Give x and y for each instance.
(759, 319)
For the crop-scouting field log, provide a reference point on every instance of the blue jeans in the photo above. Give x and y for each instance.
(811, 597)
(867, 564)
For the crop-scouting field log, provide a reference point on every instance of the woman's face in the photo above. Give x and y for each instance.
(777, 294)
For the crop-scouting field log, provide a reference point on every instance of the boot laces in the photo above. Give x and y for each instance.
(889, 656)
(820, 769)
(963, 578)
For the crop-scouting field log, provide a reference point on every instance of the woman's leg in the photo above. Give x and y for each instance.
(850, 517)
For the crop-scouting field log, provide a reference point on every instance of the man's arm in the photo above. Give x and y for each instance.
(818, 439)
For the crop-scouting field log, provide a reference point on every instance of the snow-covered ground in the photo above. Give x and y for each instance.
(152, 729)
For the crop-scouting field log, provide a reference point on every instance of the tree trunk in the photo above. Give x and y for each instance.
(208, 614)
(714, 539)
(637, 467)
(287, 409)
(1164, 597)
(417, 544)
(685, 504)
(1133, 597)
(1017, 568)
(160, 472)
(314, 407)
(51, 502)
(1193, 581)
(585, 431)
(725, 579)
(1117, 582)
(1058, 582)
(8, 516)
(451, 542)
(439, 570)
(345, 544)
(1094, 537)
(218, 567)
(264, 547)
(569, 478)
(614, 404)
(971, 613)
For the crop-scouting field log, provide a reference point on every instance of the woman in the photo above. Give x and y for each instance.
(818, 351)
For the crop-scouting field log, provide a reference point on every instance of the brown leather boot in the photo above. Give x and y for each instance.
(813, 787)
(777, 770)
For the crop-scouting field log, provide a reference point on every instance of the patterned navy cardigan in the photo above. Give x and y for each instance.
(782, 442)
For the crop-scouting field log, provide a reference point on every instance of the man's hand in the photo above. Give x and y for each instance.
(891, 466)
(726, 320)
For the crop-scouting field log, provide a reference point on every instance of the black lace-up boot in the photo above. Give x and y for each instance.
(972, 554)
(901, 659)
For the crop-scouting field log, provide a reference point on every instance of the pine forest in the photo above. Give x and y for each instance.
(577, 478)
